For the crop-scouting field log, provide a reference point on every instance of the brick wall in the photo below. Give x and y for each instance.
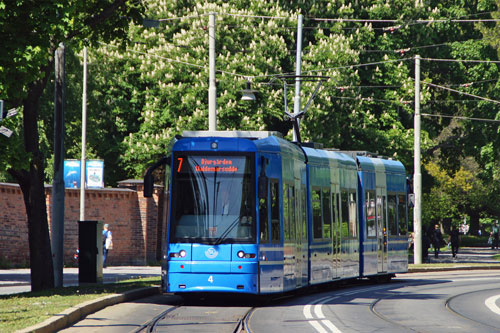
(134, 221)
(13, 225)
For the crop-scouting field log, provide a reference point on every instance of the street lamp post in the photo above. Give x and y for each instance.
(298, 71)
(84, 137)
(212, 89)
(417, 178)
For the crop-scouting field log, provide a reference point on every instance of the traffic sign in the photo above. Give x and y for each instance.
(5, 131)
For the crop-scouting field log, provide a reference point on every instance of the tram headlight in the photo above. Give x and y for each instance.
(180, 254)
(242, 255)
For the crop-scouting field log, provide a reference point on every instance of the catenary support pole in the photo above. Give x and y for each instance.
(57, 230)
(83, 168)
(417, 178)
(212, 89)
(298, 72)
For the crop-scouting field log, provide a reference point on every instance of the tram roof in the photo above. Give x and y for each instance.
(321, 156)
(380, 164)
(236, 140)
(252, 135)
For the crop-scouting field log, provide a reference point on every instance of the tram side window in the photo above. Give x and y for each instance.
(402, 219)
(167, 177)
(344, 220)
(316, 204)
(303, 211)
(353, 225)
(286, 219)
(380, 215)
(275, 212)
(290, 194)
(371, 231)
(264, 219)
(327, 214)
(335, 211)
(293, 207)
(392, 215)
(297, 213)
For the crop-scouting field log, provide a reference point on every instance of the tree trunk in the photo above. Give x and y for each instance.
(474, 223)
(33, 188)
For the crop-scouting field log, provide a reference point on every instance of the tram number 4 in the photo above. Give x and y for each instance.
(211, 279)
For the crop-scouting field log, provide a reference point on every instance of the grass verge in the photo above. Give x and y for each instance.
(26, 309)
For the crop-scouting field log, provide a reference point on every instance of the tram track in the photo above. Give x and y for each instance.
(450, 308)
(150, 326)
(179, 317)
(220, 315)
(243, 325)
(482, 325)
(386, 319)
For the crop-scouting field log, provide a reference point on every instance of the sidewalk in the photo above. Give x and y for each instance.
(14, 281)
(467, 258)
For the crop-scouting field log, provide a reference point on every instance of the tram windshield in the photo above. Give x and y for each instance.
(213, 199)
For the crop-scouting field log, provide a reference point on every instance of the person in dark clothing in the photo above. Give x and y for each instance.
(425, 245)
(437, 240)
(496, 230)
(454, 239)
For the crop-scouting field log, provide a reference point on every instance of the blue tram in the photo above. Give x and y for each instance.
(252, 213)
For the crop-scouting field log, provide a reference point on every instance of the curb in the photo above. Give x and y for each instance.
(74, 314)
(456, 268)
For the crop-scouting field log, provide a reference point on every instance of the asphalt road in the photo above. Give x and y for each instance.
(451, 301)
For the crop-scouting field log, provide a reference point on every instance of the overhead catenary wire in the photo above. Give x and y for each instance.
(341, 20)
(463, 60)
(254, 77)
(392, 21)
(461, 117)
(460, 92)
(401, 50)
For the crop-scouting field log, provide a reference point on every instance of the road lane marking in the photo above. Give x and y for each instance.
(330, 325)
(319, 312)
(492, 305)
(319, 317)
(307, 311)
(317, 326)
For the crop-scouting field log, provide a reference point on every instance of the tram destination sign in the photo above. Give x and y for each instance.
(211, 164)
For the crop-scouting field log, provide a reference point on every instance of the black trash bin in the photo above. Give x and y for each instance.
(90, 252)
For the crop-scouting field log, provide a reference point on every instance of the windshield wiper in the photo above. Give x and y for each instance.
(228, 230)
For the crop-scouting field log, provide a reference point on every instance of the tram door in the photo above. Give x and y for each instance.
(336, 231)
(381, 231)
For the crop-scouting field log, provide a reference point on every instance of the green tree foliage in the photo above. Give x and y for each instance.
(144, 93)
(455, 196)
(31, 32)
(359, 107)
(158, 87)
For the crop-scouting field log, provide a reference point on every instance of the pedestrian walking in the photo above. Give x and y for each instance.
(454, 239)
(107, 243)
(495, 231)
(425, 245)
(437, 240)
